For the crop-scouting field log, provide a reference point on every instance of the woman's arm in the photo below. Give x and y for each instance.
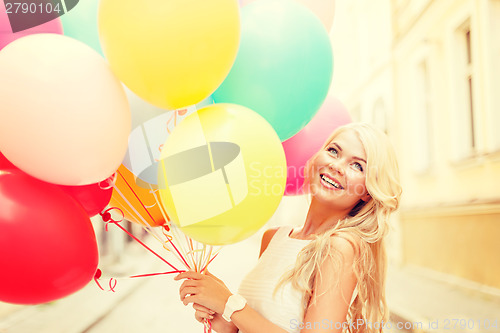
(329, 303)
(330, 300)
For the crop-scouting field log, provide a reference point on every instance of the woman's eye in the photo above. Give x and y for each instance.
(333, 151)
(358, 166)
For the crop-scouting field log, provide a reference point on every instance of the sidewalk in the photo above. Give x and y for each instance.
(149, 304)
(435, 305)
(418, 302)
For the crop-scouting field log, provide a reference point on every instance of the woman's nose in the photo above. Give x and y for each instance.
(337, 166)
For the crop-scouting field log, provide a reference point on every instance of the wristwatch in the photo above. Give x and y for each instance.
(234, 303)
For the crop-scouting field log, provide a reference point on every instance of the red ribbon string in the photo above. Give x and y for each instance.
(207, 326)
(97, 275)
(153, 274)
(112, 284)
(204, 268)
(112, 281)
(106, 216)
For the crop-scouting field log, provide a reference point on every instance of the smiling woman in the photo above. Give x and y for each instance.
(332, 269)
(337, 172)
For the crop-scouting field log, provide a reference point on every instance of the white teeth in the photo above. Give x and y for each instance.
(330, 181)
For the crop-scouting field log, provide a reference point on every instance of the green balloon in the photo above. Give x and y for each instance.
(81, 23)
(284, 65)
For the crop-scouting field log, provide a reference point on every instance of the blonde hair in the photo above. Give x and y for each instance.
(368, 222)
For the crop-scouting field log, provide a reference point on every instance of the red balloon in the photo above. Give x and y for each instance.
(303, 145)
(94, 197)
(5, 163)
(47, 244)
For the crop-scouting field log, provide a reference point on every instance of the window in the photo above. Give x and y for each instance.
(494, 73)
(463, 110)
(469, 92)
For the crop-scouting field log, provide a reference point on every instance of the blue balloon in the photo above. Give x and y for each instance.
(284, 65)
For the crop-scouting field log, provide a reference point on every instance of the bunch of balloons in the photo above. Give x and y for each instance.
(64, 125)
(172, 112)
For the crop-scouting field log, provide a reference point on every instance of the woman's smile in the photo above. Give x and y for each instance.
(330, 182)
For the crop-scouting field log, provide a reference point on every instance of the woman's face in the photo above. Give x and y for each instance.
(339, 172)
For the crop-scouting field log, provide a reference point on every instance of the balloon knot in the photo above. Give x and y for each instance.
(106, 216)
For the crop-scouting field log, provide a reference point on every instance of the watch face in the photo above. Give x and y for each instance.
(236, 302)
(239, 303)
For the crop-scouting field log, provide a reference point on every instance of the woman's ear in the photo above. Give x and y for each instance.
(366, 197)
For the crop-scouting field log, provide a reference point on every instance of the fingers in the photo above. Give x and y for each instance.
(191, 299)
(201, 316)
(189, 283)
(189, 275)
(202, 308)
(187, 291)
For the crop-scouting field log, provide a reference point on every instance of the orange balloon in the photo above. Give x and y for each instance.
(137, 203)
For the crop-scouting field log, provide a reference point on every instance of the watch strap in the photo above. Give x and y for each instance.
(234, 303)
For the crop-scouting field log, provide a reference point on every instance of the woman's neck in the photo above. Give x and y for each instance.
(319, 219)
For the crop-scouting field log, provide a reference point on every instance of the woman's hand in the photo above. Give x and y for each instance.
(202, 313)
(203, 289)
(218, 323)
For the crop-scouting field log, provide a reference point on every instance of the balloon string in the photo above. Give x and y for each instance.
(169, 239)
(166, 219)
(97, 275)
(162, 210)
(135, 194)
(143, 220)
(106, 216)
(154, 274)
(145, 224)
(176, 250)
(207, 326)
(112, 281)
(204, 268)
(112, 284)
(110, 182)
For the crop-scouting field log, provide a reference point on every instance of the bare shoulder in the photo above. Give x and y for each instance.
(266, 238)
(346, 243)
(348, 247)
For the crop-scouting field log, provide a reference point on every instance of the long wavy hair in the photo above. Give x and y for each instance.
(368, 222)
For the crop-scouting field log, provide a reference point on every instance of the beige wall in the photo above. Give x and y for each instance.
(461, 241)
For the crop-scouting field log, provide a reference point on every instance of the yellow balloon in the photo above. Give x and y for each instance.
(171, 53)
(222, 174)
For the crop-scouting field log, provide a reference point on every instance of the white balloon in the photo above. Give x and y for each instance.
(64, 116)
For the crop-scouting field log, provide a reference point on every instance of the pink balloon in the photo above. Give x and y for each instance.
(7, 36)
(303, 145)
(324, 9)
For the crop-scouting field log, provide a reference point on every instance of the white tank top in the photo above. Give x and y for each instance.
(285, 307)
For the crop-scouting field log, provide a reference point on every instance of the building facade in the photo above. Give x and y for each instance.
(428, 73)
